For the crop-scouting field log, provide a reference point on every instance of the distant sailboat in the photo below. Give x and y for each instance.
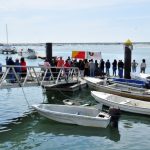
(8, 49)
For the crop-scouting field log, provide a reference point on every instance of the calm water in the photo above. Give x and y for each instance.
(22, 128)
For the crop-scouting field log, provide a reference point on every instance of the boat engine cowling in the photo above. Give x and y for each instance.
(115, 115)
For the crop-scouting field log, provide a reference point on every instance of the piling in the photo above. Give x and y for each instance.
(49, 51)
(127, 59)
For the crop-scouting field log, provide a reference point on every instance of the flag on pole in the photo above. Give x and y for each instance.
(94, 55)
(78, 54)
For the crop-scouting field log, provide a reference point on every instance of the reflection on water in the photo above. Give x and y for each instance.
(129, 119)
(25, 127)
(32, 129)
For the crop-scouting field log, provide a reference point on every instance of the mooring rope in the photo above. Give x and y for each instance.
(25, 97)
(66, 95)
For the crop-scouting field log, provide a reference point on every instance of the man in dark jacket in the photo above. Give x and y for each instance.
(120, 68)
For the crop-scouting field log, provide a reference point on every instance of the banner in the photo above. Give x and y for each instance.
(78, 54)
(94, 55)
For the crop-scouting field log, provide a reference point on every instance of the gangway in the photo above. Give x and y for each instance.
(37, 76)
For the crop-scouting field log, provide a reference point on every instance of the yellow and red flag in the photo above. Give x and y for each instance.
(78, 54)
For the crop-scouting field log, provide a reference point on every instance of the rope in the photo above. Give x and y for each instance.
(66, 95)
(25, 98)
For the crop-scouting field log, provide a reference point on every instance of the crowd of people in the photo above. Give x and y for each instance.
(86, 67)
(94, 68)
(20, 68)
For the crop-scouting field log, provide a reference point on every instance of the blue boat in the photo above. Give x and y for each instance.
(130, 82)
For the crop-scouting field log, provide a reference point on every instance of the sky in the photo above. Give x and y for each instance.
(74, 21)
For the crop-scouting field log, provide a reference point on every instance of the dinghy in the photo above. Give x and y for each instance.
(123, 103)
(119, 89)
(84, 116)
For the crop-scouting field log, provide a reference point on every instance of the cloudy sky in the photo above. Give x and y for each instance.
(75, 20)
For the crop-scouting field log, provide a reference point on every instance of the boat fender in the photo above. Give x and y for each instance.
(115, 115)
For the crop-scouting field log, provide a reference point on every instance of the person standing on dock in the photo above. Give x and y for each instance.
(86, 67)
(18, 69)
(107, 67)
(60, 64)
(143, 66)
(0, 69)
(120, 68)
(47, 67)
(66, 69)
(102, 66)
(134, 65)
(114, 64)
(81, 68)
(10, 62)
(23, 67)
(92, 68)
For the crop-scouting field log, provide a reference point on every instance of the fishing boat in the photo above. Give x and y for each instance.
(79, 115)
(29, 53)
(119, 89)
(123, 103)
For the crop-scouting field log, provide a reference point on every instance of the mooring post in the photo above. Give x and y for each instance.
(127, 59)
(49, 51)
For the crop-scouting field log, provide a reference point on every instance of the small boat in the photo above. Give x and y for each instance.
(29, 53)
(7, 49)
(79, 115)
(129, 82)
(123, 103)
(119, 89)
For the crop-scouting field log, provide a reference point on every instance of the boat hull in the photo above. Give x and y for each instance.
(127, 104)
(77, 118)
(125, 91)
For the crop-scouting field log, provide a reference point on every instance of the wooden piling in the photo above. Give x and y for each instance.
(127, 59)
(49, 51)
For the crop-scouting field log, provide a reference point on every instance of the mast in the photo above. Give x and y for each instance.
(6, 34)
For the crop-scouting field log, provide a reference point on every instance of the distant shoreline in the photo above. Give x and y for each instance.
(60, 44)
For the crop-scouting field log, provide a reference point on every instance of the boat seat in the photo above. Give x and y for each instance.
(77, 113)
(124, 102)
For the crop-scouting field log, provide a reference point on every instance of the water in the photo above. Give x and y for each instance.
(22, 128)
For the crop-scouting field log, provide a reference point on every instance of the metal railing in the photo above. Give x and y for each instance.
(10, 77)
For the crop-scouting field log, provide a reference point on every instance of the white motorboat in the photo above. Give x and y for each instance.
(84, 116)
(29, 53)
(123, 103)
(119, 89)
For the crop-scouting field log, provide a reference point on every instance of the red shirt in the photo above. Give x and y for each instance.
(23, 63)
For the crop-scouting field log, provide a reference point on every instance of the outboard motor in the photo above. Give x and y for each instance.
(115, 115)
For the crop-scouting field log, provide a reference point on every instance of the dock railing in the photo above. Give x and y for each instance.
(10, 77)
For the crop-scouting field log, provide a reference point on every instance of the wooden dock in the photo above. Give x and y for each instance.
(67, 87)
